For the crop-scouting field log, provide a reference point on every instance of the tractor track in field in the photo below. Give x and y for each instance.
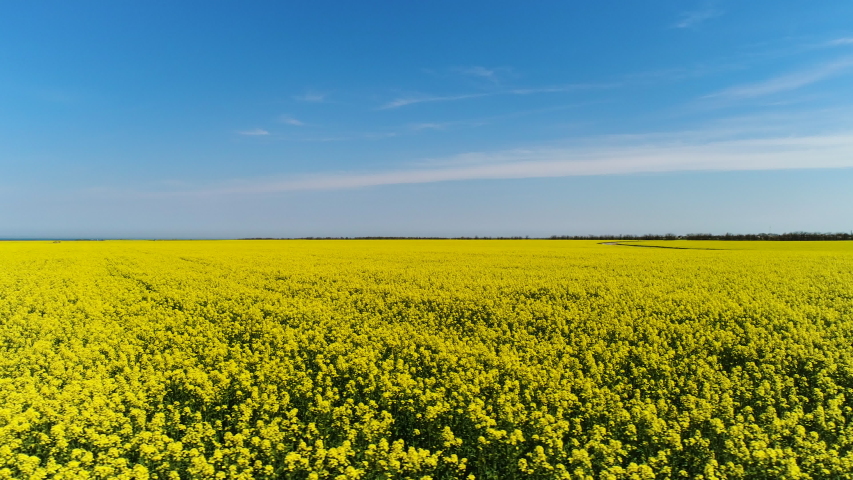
(658, 246)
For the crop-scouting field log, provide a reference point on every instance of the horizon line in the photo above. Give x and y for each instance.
(647, 236)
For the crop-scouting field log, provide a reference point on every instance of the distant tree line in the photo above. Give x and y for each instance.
(391, 238)
(791, 236)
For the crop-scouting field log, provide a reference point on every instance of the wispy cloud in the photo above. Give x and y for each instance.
(560, 88)
(345, 137)
(694, 18)
(840, 41)
(676, 74)
(406, 101)
(480, 121)
(673, 153)
(494, 75)
(477, 71)
(784, 83)
(431, 126)
(289, 120)
(255, 132)
(311, 97)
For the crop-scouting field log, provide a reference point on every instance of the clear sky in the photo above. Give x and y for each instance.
(315, 118)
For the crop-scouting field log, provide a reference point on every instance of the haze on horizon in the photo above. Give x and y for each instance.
(267, 119)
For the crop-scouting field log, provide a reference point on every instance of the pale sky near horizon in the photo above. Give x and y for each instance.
(286, 119)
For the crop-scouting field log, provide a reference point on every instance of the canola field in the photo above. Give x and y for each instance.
(426, 360)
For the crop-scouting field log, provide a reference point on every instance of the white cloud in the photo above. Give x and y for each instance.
(493, 75)
(840, 41)
(477, 71)
(348, 137)
(311, 97)
(559, 88)
(255, 133)
(430, 126)
(480, 121)
(402, 102)
(691, 19)
(405, 101)
(289, 120)
(610, 156)
(784, 83)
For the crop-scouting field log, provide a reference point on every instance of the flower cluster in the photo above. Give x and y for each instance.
(426, 359)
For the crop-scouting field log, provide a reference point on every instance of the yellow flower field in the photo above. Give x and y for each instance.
(436, 359)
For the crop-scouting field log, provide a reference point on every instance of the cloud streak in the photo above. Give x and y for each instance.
(257, 132)
(784, 83)
(692, 19)
(477, 71)
(311, 97)
(289, 120)
(840, 41)
(775, 153)
(492, 75)
(480, 121)
(406, 101)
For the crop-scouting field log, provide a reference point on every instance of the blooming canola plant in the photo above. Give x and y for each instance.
(416, 359)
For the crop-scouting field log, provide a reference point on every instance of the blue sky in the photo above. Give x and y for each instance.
(234, 119)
